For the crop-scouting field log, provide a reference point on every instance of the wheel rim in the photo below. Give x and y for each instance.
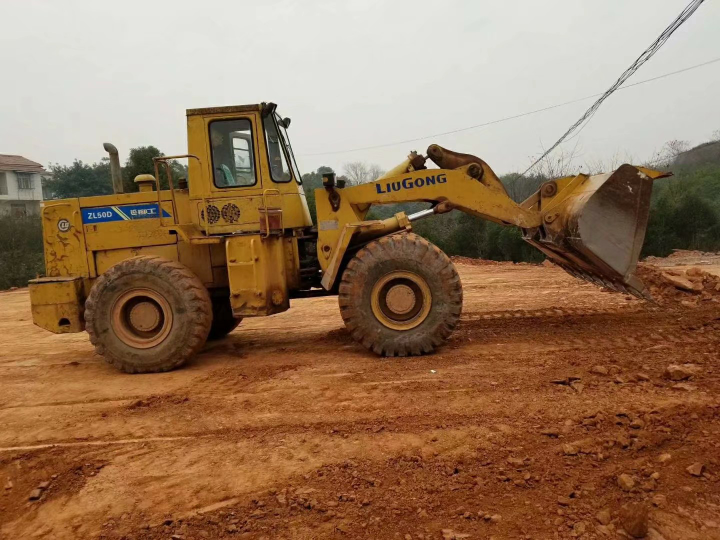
(141, 318)
(401, 300)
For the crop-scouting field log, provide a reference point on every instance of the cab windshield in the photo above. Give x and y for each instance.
(279, 151)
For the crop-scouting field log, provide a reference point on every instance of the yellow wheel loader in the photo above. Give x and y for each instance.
(152, 274)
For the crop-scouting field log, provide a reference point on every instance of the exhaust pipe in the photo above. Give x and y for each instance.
(115, 173)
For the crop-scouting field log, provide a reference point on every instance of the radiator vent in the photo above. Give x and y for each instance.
(231, 213)
(213, 214)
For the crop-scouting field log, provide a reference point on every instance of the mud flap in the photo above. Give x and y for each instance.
(597, 231)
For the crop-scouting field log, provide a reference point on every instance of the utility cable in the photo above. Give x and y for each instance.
(644, 57)
(513, 117)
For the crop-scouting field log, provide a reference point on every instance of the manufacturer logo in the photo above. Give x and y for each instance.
(63, 225)
(410, 183)
(126, 212)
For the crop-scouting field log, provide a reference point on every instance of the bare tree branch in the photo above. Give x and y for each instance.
(359, 172)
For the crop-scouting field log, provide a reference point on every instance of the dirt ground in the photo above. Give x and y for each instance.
(548, 415)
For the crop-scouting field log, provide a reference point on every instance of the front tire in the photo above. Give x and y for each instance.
(148, 314)
(400, 296)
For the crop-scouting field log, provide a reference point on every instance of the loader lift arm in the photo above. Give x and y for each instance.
(591, 226)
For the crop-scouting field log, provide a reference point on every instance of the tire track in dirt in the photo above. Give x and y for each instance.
(367, 495)
(340, 427)
(582, 328)
(72, 402)
(558, 312)
(46, 446)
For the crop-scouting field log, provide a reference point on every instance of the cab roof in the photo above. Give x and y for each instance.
(224, 110)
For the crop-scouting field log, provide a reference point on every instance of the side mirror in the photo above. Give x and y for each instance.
(328, 180)
(286, 122)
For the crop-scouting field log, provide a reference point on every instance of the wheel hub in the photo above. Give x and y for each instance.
(401, 300)
(145, 316)
(141, 318)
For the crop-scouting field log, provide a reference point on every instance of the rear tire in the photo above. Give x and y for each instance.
(148, 314)
(223, 321)
(400, 296)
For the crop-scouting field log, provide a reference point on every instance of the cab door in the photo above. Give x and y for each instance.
(245, 178)
(236, 179)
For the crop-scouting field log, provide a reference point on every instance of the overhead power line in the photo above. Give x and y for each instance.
(685, 14)
(513, 117)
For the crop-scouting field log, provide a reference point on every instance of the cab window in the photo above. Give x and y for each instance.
(288, 148)
(279, 170)
(233, 160)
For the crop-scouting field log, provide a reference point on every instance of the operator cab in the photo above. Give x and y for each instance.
(246, 167)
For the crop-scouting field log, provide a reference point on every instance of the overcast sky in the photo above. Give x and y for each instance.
(350, 74)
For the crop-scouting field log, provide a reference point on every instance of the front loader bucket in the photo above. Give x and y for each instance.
(594, 228)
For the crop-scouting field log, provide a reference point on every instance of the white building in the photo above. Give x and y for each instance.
(20, 185)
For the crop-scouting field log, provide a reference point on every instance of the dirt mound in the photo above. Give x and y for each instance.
(685, 253)
(689, 287)
(457, 259)
(681, 256)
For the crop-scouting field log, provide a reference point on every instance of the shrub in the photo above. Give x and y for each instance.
(21, 250)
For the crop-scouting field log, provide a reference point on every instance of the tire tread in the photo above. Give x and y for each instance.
(194, 294)
(414, 342)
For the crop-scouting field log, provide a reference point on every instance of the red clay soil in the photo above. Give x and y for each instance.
(556, 411)
(689, 287)
(469, 261)
(682, 255)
